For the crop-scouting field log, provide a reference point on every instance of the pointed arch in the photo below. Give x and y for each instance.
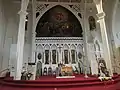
(39, 47)
(47, 47)
(58, 22)
(79, 47)
(72, 47)
(64, 6)
(66, 46)
(53, 5)
(54, 47)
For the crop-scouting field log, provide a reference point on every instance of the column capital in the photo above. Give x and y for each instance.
(100, 15)
(34, 33)
(21, 12)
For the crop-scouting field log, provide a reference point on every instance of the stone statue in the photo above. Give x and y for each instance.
(102, 68)
(47, 57)
(73, 56)
(54, 56)
(66, 56)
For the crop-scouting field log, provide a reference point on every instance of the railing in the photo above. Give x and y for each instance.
(3, 71)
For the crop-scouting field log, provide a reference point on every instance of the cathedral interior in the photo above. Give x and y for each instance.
(38, 36)
(59, 44)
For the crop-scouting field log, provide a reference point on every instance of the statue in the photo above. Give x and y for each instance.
(24, 75)
(92, 23)
(54, 57)
(73, 56)
(66, 56)
(102, 68)
(47, 57)
(58, 69)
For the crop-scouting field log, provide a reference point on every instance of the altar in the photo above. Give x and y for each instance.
(66, 72)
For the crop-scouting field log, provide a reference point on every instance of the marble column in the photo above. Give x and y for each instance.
(70, 59)
(33, 31)
(33, 47)
(60, 54)
(50, 57)
(85, 49)
(106, 48)
(21, 37)
(57, 56)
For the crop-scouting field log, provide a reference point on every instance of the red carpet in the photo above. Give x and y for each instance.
(51, 83)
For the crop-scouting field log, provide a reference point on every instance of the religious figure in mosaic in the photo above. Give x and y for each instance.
(66, 56)
(58, 22)
(53, 56)
(46, 56)
(73, 56)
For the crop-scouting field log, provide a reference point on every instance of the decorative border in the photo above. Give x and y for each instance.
(59, 38)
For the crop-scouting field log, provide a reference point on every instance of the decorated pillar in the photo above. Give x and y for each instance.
(2, 32)
(20, 41)
(57, 56)
(85, 49)
(33, 50)
(50, 58)
(60, 54)
(33, 31)
(70, 57)
(106, 48)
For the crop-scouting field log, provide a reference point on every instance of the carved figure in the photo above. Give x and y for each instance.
(102, 68)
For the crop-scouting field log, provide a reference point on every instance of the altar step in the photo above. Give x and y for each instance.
(52, 83)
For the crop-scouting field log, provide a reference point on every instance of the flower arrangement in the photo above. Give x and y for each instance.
(105, 78)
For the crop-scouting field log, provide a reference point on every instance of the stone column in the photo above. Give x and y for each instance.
(20, 41)
(33, 47)
(29, 29)
(85, 49)
(60, 54)
(70, 59)
(106, 49)
(2, 32)
(50, 58)
(33, 31)
(57, 53)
